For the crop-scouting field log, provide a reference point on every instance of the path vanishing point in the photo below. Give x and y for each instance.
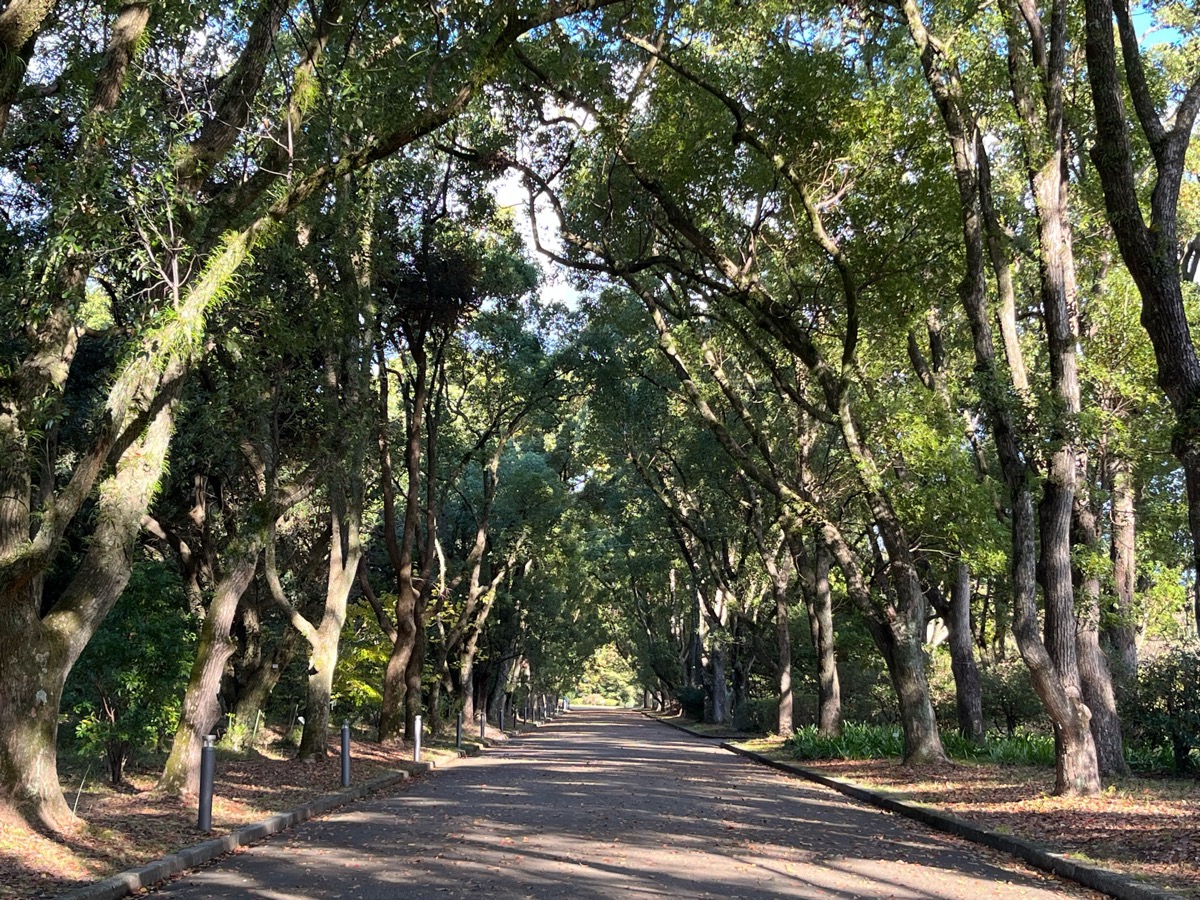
(611, 804)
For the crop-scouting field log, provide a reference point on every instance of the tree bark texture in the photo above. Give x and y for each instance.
(968, 693)
(201, 710)
(1119, 625)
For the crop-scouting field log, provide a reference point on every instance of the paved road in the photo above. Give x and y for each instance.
(604, 804)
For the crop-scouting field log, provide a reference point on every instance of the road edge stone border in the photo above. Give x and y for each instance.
(1104, 880)
(132, 880)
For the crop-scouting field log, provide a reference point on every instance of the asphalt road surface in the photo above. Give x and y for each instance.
(610, 804)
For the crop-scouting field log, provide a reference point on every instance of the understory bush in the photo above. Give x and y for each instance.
(758, 716)
(864, 741)
(857, 741)
(691, 701)
(1166, 708)
(123, 696)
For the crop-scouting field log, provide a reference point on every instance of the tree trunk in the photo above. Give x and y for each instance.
(1094, 675)
(413, 699)
(345, 553)
(820, 620)
(968, 694)
(466, 683)
(717, 710)
(34, 664)
(1150, 249)
(38, 651)
(259, 683)
(783, 643)
(314, 740)
(201, 711)
(922, 743)
(395, 676)
(1120, 631)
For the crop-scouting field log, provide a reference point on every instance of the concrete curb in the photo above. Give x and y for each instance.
(704, 737)
(133, 880)
(1104, 880)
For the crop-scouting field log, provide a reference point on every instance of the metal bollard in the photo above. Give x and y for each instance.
(345, 753)
(416, 738)
(501, 718)
(483, 726)
(458, 731)
(208, 771)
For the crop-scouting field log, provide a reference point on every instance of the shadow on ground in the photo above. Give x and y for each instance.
(608, 804)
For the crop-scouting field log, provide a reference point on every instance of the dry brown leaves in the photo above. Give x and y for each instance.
(132, 826)
(1149, 828)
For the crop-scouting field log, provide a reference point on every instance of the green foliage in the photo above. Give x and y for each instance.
(759, 715)
(362, 658)
(1165, 712)
(1009, 700)
(125, 692)
(691, 701)
(857, 741)
(607, 679)
(863, 741)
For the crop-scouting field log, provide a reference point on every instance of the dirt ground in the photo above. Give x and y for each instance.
(1147, 828)
(134, 825)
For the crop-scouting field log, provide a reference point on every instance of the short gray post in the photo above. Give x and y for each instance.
(502, 717)
(208, 771)
(483, 726)
(345, 753)
(458, 731)
(416, 738)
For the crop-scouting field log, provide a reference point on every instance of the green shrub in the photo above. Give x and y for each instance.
(857, 741)
(758, 716)
(691, 701)
(125, 691)
(1166, 706)
(1009, 701)
(865, 741)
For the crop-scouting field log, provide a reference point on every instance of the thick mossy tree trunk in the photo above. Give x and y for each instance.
(37, 652)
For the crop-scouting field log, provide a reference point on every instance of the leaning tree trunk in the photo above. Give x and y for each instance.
(260, 681)
(201, 711)
(37, 653)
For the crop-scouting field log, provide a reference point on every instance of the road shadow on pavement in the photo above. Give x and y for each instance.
(610, 804)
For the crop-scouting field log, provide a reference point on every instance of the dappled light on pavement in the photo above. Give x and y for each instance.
(610, 804)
